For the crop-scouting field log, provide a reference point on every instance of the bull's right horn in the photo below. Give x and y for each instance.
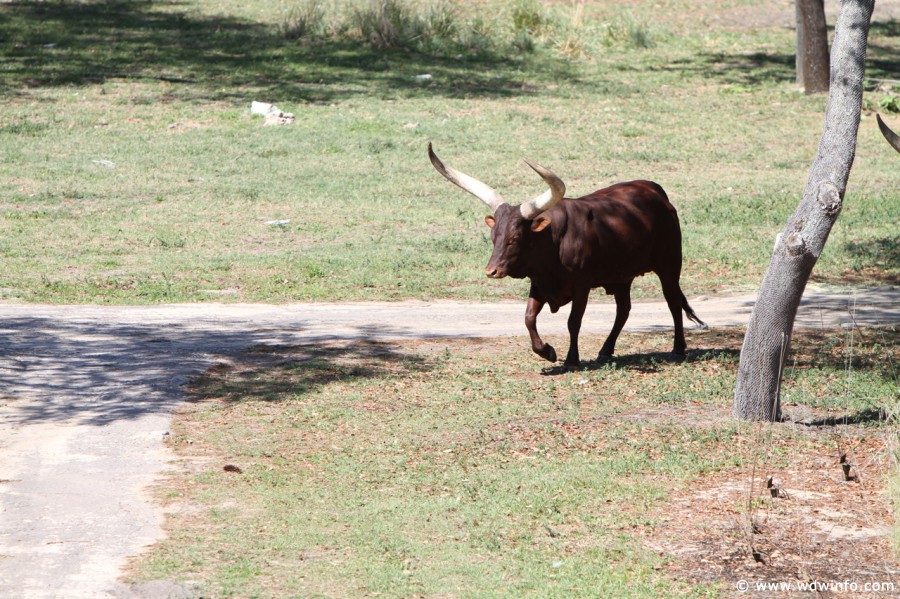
(478, 189)
(891, 137)
(547, 200)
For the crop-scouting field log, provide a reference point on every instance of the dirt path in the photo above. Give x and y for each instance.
(86, 395)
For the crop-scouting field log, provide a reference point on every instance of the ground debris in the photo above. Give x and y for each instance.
(738, 529)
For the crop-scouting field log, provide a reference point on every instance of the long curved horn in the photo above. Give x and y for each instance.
(547, 200)
(891, 137)
(478, 189)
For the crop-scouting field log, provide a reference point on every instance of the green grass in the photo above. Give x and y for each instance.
(179, 210)
(455, 469)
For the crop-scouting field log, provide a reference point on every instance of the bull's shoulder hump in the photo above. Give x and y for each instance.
(626, 191)
(641, 185)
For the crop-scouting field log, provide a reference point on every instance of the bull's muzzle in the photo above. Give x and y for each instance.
(494, 272)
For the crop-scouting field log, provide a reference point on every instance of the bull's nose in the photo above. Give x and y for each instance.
(494, 272)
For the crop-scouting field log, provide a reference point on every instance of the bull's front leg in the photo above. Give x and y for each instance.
(622, 293)
(544, 350)
(579, 303)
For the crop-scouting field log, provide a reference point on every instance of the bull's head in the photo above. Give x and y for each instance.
(891, 137)
(512, 227)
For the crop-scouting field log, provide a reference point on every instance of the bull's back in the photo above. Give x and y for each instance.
(620, 232)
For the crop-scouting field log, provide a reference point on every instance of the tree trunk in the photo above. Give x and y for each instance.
(812, 46)
(798, 246)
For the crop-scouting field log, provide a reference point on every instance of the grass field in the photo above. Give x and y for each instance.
(449, 468)
(131, 169)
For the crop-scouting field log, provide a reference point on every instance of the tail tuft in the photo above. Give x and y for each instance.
(691, 314)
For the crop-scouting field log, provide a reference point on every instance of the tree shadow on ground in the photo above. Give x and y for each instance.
(50, 44)
(873, 261)
(749, 69)
(752, 69)
(869, 349)
(868, 416)
(272, 373)
(97, 373)
(883, 251)
(883, 60)
(651, 362)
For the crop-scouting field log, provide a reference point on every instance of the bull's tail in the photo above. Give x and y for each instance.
(690, 312)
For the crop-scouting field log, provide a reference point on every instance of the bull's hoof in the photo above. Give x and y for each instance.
(606, 351)
(677, 355)
(572, 366)
(604, 358)
(548, 353)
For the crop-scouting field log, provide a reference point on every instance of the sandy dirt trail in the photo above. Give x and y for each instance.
(87, 392)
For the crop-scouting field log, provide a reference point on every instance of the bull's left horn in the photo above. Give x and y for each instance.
(478, 189)
(547, 200)
(891, 137)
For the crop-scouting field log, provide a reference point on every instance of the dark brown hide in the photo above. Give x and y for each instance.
(605, 239)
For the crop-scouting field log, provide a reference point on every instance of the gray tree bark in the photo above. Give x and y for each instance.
(812, 46)
(800, 243)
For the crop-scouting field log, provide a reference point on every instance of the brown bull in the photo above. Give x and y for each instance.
(569, 246)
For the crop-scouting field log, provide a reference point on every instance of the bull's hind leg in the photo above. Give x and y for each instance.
(544, 350)
(674, 298)
(622, 293)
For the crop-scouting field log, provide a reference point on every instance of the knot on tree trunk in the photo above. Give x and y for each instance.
(795, 244)
(829, 198)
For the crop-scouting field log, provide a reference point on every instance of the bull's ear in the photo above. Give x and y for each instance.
(489, 220)
(540, 223)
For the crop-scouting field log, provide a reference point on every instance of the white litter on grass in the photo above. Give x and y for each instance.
(261, 108)
(424, 77)
(274, 116)
(275, 223)
(279, 118)
(106, 163)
